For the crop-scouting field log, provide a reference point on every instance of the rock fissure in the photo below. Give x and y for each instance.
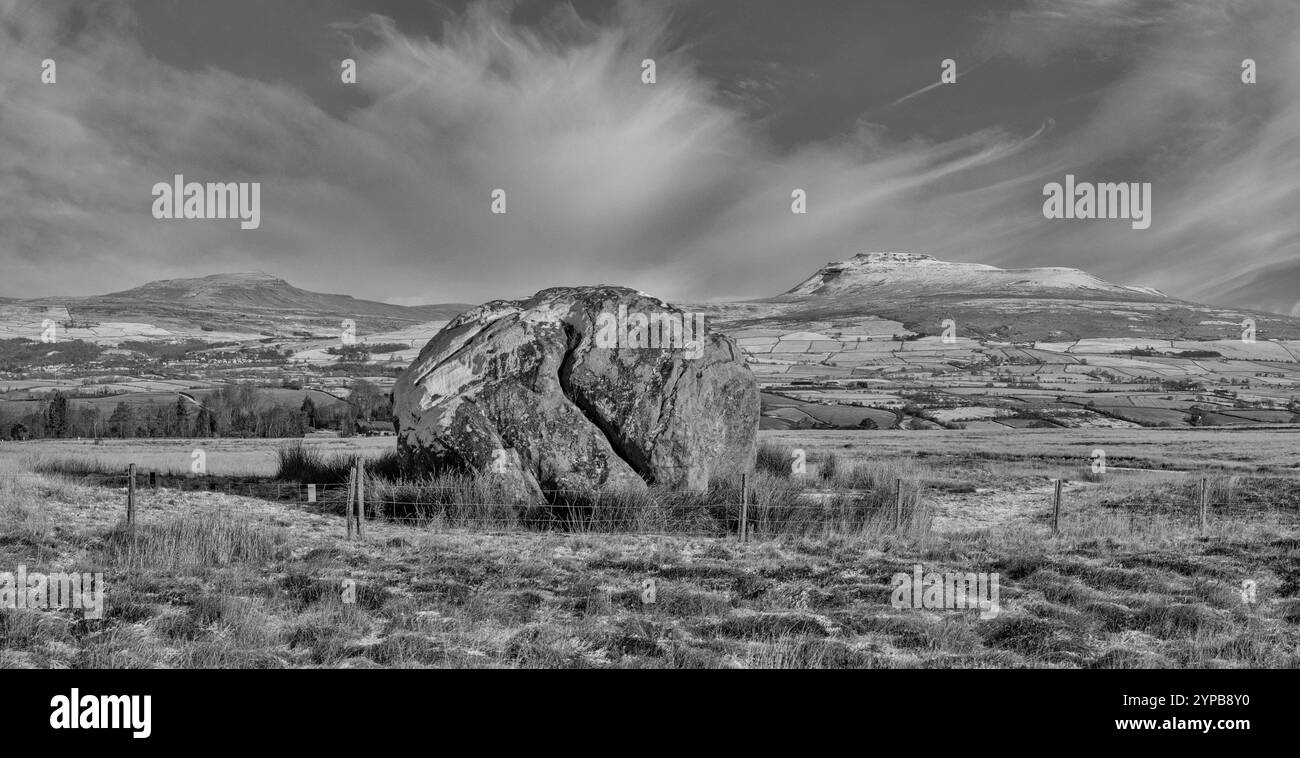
(577, 412)
(584, 405)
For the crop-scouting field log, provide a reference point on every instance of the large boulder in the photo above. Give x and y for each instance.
(578, 388)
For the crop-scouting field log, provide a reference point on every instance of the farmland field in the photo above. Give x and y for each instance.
(1268, 449)
(1128, 582)
(224, 457)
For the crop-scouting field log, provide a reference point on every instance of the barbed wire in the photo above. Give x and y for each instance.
(479, 505)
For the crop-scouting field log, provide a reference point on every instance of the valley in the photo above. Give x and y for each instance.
(883, 341)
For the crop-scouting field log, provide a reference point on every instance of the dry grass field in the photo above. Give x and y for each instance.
(214, 579)
(1273, 450)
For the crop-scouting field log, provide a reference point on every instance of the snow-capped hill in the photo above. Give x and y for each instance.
(916, 274)
(929, 296)
(1149, 291)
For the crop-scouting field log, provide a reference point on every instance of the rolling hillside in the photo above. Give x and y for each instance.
(218, 307)
(985, 302)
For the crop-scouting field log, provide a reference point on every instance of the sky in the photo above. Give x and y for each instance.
(682, 188)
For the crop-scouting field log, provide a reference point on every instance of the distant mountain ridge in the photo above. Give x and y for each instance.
(986, 302)
(916, 290)
(252, 302)
(914, 272)
(259, 290)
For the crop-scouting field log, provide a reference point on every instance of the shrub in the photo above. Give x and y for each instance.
(300, 463)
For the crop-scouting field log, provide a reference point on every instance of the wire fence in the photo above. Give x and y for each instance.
(742, 509)
(487, 504)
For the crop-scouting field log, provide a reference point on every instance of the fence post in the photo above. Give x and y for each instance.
(744, 507)
(361, 498)
(153, 480)
(898, 503)
(1056, 506)
(352, 491)
(130, 493)
(1205, 501)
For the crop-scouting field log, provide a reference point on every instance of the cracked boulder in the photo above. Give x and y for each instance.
(579, 388)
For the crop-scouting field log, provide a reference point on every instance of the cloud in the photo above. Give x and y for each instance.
(1221, 154)
(672, 188)
(1040, 30)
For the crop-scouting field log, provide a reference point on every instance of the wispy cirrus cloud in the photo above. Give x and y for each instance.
(1221, 154)
(673, 188)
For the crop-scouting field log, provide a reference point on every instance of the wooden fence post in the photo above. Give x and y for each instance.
(898, 503)
(130, 494)
(1056, 506)
(361, 498)
(1205, 502)
(352, 491)
(744, 507)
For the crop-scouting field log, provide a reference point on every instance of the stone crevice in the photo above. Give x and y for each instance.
(581, 415)
(579, 401)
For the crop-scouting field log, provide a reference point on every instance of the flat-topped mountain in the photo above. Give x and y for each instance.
(893, 274)
(253, 288)
(917, 291)
(239, 303)
(270, 293)
(921, 292)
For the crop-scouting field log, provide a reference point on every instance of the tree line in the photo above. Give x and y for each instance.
(231, 411)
